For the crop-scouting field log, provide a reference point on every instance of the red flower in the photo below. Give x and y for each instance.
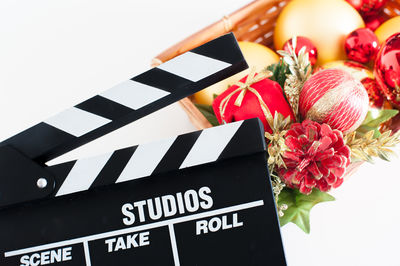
(317, 157)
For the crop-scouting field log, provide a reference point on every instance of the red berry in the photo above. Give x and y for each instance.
(303, 41)
(361, 45)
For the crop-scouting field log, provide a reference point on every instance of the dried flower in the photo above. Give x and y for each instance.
(366, 146)
(276, 147)
(300, 69)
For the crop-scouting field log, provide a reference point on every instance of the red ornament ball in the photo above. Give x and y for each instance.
(334, 97)
(301, 42)
(250, 107)
(376, 97)
(357, 4)
(387, 68)
(373, 21)
(372, 6)
(317, 157)
(367, 7)
(361, 45)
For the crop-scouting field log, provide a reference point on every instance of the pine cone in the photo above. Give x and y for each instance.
(317, 157)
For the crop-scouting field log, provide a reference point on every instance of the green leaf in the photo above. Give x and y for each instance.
(279, 72)
(374, 119)
(300, 205)
(368, 118)
(208, 112)
(363, 129)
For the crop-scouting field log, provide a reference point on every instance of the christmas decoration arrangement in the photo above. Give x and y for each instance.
(328, 97)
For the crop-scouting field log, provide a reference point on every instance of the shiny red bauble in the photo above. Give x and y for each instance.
(301, 42)
(372, 6)
(361, 45)
(357, 4)
(373, 21)
(387, 68)
(367, 7)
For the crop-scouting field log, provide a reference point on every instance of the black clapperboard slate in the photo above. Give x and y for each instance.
(202, 198)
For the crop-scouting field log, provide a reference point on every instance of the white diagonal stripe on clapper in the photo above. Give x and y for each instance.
(77, 122)
(134, 94)
(210, 144)
(193, 66)
(83, 174)
(145, 159)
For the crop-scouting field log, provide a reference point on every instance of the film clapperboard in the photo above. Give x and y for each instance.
(202, 198)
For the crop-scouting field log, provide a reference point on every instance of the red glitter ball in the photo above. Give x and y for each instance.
(361, 45)
(367, 7)
(374, 92)
(310, 48)
(387, 68)
(373, 21)
(333, 96)
(372, 6)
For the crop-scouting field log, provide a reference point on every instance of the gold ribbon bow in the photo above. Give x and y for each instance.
(243, 87)
(278, 123)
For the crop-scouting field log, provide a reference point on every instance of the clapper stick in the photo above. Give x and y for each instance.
(22, 156)
(131, 100)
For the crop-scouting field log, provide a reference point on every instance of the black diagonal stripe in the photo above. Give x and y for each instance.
(43, 143)
(104, 107)
(177, 153)
(60, 172)
(248, 139)
(40, 142)
(113, 168)
(163, 80)
(225, 48)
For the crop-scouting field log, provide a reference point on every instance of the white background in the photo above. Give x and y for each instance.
(54, 54)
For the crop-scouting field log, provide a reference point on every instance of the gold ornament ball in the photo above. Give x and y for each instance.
(388, 28)
(256, 55)
(325, 22)
(357, 70)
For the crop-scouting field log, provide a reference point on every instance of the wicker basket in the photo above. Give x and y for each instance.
(254, 22)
